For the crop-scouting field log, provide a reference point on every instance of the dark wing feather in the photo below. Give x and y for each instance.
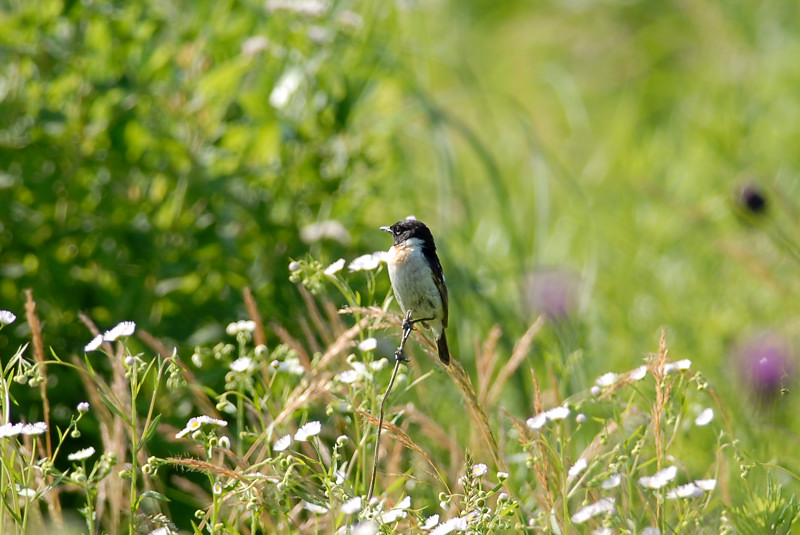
(438, 277)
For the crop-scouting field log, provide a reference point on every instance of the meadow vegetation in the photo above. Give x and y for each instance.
(196, 331)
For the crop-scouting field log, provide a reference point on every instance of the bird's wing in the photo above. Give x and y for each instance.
(438, 278)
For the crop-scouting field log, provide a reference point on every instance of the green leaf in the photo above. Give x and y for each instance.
(150, 431)
(112, 406)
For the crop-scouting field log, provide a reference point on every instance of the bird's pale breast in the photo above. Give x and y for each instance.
(413, 283)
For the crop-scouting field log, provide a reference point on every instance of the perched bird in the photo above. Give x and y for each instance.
(417, 279)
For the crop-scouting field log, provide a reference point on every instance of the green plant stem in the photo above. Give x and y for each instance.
(378, 435)
(134, 449)
(408, 326)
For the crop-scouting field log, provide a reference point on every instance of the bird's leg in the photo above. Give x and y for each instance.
(408, 326)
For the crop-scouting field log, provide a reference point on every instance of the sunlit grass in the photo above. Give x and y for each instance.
(287, 444)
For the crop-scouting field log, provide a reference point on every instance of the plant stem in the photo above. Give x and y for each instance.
(408, 326)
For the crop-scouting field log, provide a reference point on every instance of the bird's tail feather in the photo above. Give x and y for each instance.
(444, 351)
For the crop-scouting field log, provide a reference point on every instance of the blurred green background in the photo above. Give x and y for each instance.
(590, 160)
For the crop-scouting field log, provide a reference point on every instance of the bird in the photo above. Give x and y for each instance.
(417, 279)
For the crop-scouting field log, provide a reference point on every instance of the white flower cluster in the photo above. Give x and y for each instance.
(12, 430)
(556, 413)
(367, 262)
(241, 326)
(125, 328)
(7, 317)
(196, 422)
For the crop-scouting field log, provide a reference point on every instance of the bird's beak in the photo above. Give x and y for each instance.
(386, 229)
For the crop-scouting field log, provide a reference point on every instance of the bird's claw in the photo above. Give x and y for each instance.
(400, 356)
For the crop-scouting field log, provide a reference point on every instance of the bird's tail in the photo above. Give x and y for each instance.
(444, 351)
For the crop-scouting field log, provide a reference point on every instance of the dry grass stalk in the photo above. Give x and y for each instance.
(518, 355)
(485, 361)
(52, 497)
(459, 376)
(286, 338)
(476, 411)
(405, 440)
(316, 317)
(252, 310)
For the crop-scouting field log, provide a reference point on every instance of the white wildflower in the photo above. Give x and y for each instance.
(351, 19)
(607, 379)
(241, 326)
(291, 366)
(242, 364)
(705, 417)
(7, 317)
(651, 531)
(595, 390)
(334, 268)
(124, 328)
(314, 508)
(36, 428)
(577, 468)
(639, 373)
(196, 422)
(537, 421)
(367, 262)
(613, 481)
(393, 516)
(352, 506)
(556, 413)
(398, 512)
(580, 418)
(25, 492)
(307, 431)
(670, 367)
(10, 430)
(81, 455)
(286, 87)
(308, 8)
(378, 365)
(430, 522)
(449, 526)
(706, 484)
(94, 344)
(368, 344)
(282, 443)
(367, 527)
(330, 229)
(254, 45)
(479, 469)
(502, 476)
(347, 377)
(659, 479)
(690, 490)
(604, 505)
(83, 406)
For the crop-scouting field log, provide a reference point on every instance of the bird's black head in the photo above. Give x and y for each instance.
(410, 228)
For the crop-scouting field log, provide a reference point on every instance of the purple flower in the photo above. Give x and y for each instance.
(552, 292)
(766, 365)
(752, 199)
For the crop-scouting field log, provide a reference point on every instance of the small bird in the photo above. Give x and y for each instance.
(417, 279)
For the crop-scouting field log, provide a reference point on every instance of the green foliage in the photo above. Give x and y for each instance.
(773, 512)
(617, 167)
(158, 158)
